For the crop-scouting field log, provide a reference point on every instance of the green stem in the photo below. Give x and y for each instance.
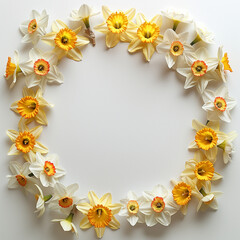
(197, 39)
(47, 197)
(175, 24)
(202, 192)
(70, 217)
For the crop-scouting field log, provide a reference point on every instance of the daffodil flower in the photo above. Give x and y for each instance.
(147, 36)
(158, 206)
(65, 40)
(25, 142)
(118, 26)
(99, 213)
(207, 138)
(174, 46)
(217, 104)
(132, 208)
(34, 28)
(31, 106)
(201, 69)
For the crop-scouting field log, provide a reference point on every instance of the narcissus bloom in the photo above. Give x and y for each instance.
(41, 68)
(25, 142)
(147, 36)
(47, 169)
(202, 34)
(65, 40)
(174, 46)
(34, 28)
(201, 69)
(31, 106)
(158, 206)
(99, 213)
(118, 26)
(207, 138)
(132, 208)
(217, 104)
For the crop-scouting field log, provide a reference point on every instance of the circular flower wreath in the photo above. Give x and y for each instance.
(158, 205)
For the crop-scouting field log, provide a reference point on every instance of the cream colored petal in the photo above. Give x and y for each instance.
(100, 232)
(216, 176)
(211, 153)
(85, 224)
(114, 224)
(135, 45)
(197, 125)
(49, 38)
(106, 12)
(59, 52)
(14, 107)
(193, 145)
(124, 37)
(13, 150)
(36, 131)
(157, 20)
(77, 30)
(94, 200)
(38, 147)
(215, 125)
(58, 25)
(12, 135)
(30, 157)
(41, 117)
(148, 51)
(82, 41)
(22, 125)
(130, 13)
(112, 39)
(75, 54)
(106, 199)
(140, 19)
(115, 208)
(84, 208)
(102, 28)
(28, 92)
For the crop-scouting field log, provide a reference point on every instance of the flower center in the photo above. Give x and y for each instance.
(176, 48)
(133, 207)
(66, 39)
(99, 216)
(199, 68)
(182, 193)
(225, 62)
(220, 104)
(28, 107)
(25, 142)
(206, 138)
(10, 68)
(158, 204)
(41, 67)
(117, 22)
(49, 168)
(32, 26)
(65, 202)
(148, 32)
(22, 180)
(204, 170)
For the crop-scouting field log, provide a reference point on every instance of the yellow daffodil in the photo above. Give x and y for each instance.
(147, 36)
(99, 213)
(117, 26)
(65, 40)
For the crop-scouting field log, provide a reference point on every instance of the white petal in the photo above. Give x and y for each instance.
(132, 220)
(151, 220)
(164, 218)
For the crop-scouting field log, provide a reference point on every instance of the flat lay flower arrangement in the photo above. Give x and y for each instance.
(38, 173)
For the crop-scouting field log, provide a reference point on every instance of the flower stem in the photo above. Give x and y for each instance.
(197, 39)
(90, 35)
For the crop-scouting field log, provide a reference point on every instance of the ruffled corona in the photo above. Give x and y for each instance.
(32, 26)
(158, 204)
(176, 48)
(206, 138)
(41, 67)
(133, 207)
(22, 180)
(225, 62)
(25, 142)
(99, 216)
(65, 202)
(182, 193)
(49, 168)
(204, 170)
(28, 107)
(117, 22)
(10, 68)
(66, 39)
(220, 104)
(199, 68)
(148, 32)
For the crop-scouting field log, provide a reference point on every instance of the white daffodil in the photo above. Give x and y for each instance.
(47, 169)
(34, 28)
(217, 104)
(200, 169)
(158, 206)
(132, 208)
(41, 199)
(117, 26)
(65, 40)
(20, 177)
(63, 198)
(227, 146)
(25, 142)
(202, 34)
(208, 138)
(177, 16)
(31, 106)
(41, 68)
(174, 46)
(200, 70)
(207, 197)
(67, 224)
(223, 64)
(147, 36)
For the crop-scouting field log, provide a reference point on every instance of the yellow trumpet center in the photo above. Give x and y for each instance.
(49, 168)
(10, 68)
(148, 32)
(99, 216)
(133, 207)
(25, 142)
(182, 193)
(199, 68)
(158, 204)
(66, 39)
(220, 104)
(32, 26)
(206, 138)
(204, 170)
(28, 107)
(176, 48)
(65, 202)
(41, 67)
(117, 22)
(22, 180)
(225, 62)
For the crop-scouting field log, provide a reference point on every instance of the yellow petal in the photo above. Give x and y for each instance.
(102, 28)
(75, 54)
(57, 25)
(115, 208)
(85, 224)
(106, 199)
(28, 92)
(112, 39)
(77, 30)
(157, 20)
(36, 131)
(81, 41)
(114, 224)
(148, 51)
(140, 19)
(84, 208)
(130, 13)
(135, 45)
(99, 232)
(93, 198)
(106, 12)
(41, 117)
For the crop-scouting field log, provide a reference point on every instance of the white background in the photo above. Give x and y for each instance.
(120, 123)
